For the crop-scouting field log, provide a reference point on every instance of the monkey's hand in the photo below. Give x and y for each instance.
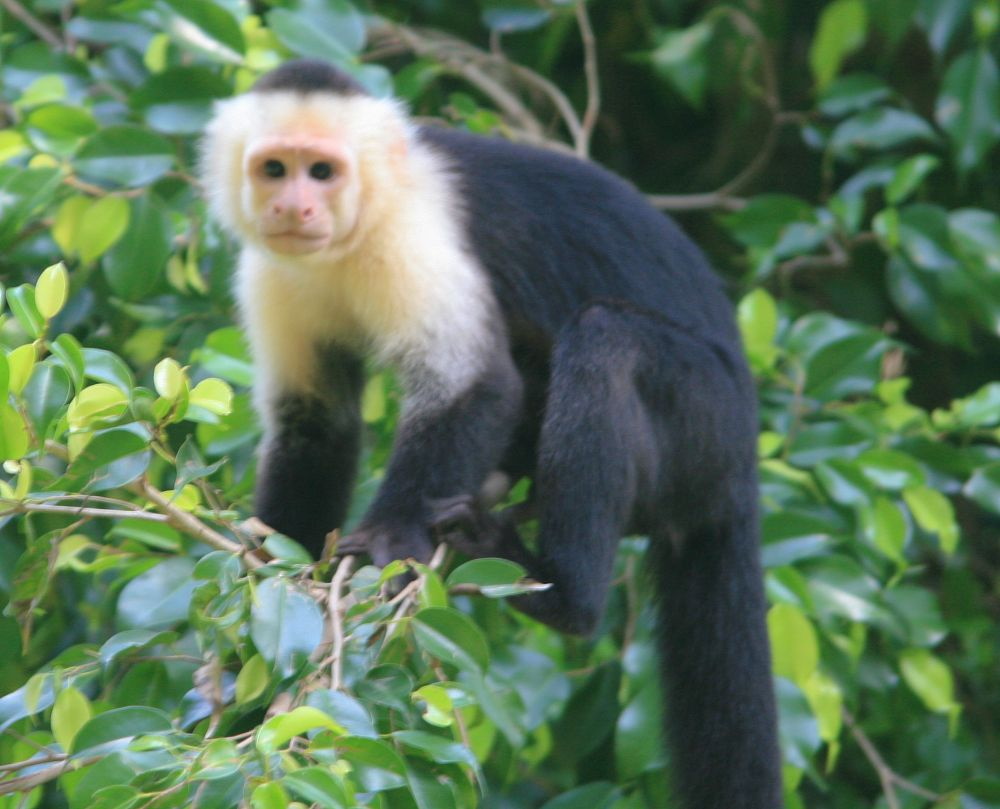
(465, 525)
(385, 544)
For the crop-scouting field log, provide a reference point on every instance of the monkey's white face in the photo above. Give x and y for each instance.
(301, 192)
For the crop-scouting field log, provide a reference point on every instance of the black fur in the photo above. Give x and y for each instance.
(308, 76)
(618, 384)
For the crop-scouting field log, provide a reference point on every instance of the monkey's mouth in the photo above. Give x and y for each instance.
(296, 242)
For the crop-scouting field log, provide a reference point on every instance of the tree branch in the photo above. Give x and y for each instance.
(887, 776)
(593, 80)
(40, 29)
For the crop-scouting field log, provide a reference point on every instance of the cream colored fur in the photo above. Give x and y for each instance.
(402, 286)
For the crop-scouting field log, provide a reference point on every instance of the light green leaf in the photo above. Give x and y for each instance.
(70, 712)
(931, 680)
(101, 225)
(843, 27)
(794, 646)
(935, 514)
(278, 730)
(252, 680)
(51, 290)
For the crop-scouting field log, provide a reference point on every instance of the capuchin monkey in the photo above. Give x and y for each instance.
(545, 322)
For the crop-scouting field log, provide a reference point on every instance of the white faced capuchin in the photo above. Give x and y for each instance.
(546, 322)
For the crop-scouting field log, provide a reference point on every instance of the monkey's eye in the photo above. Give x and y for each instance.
(273, 168)
(321, 170)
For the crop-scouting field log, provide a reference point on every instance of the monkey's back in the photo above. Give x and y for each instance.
(555, 233)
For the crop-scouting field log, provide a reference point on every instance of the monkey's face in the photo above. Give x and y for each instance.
(301, 192)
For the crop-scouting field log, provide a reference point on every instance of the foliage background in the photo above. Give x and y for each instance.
(837, 160)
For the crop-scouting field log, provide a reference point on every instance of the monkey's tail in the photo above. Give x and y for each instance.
(719, 696)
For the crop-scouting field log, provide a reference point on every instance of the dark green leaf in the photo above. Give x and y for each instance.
(879, 129)
(968, 108)
(286, 624)
(159, 597)
(451, 636)
(120, 723)
(126, 156)
(134, 266)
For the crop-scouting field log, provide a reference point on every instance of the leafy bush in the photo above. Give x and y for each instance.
(152, 660)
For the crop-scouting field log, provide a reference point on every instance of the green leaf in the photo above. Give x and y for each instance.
(225, 355)
(134, 266)
(21, 300)
(47, 391)
(345, 710)
(890, 469)
(908, 177)
(438, 706)
(252, 680)
(159, 597)
(638, 748)
(451, 636)
(757, 315)
(20, 365)
(95, 404)
(681, 57)
(107, 367)
(984, 487)
(51, 290)
(794, 645)
(486, 572)
(886, 528)
(70, 712)
(151, 534)
(968, 107)
(597, 795)
(179, 100)
(212, 395)
(375, 762)
(168, 378)
(58, 129)
(853, 93)
(935, 514)
(101, 225)
(878, 129)
(318, 787)
(120, 723)
(437, 748)
(842, 29)
(285, 624)
(14, 435)
(846, 367)
(508, 16)
(131, 640)
(125, 155)
(931, 680)
(278, 730)
(270, 795)
(206, 27)
(305, 38)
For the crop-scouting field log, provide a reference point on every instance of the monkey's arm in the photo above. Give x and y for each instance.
(309, 456)
(439, 452)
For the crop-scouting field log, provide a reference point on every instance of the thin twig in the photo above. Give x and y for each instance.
(334, 610)
(26, 783)
(723, 197)
(191, 525)
(19, 507)
(593, 80)
(887, 776)
(41, 30)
